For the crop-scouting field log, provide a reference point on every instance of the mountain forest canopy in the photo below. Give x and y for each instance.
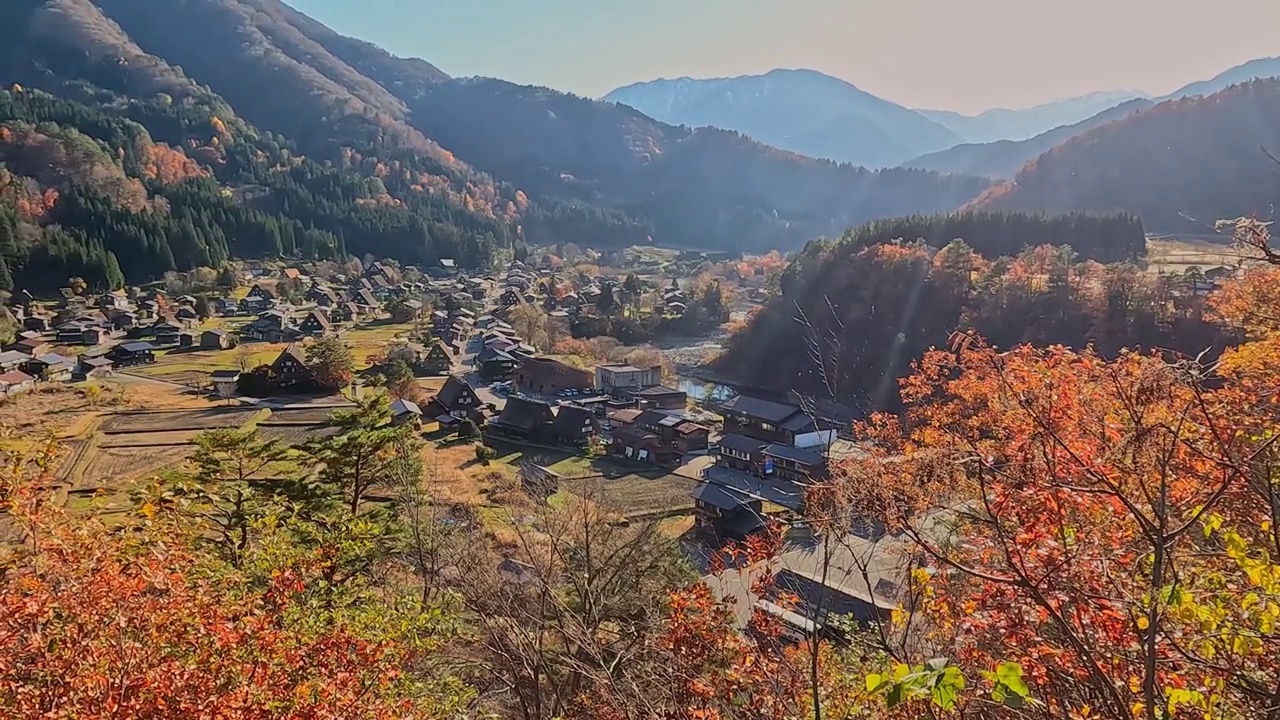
(855, 313)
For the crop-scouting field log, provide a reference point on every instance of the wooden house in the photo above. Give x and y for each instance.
(456, 399)
(496, 364)
(315, 324)
(438, 358)
(574, 425)
(292, 372)
(406, 412)
(217, 340)
(133, 353)
(15, 383)
(50, 367)
(525, 419)
(549, 376)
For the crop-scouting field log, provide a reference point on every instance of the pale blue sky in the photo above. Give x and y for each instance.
(966, 55)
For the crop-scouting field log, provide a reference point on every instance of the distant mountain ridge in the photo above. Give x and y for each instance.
(1024, 123)
(1002, 159)
(803, 111)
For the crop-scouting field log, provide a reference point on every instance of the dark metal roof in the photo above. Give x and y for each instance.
(779, 492)
(795, 454)
(134, 347)
(766, 410)
(718, 496)
(741, 443)
(659, 390)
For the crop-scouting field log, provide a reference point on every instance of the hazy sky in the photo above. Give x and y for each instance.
(965, 55)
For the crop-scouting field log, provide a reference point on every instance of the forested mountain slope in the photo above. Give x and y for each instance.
(1003, 159)
(277, 135)
(1181, 165)
(699, 188)
(854, 314)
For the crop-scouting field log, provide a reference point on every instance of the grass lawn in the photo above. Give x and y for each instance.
(367, 341)
(172, 362)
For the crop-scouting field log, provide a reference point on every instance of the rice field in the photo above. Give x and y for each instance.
(635, 496)
(151, 422)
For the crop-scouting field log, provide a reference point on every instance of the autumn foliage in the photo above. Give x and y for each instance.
(137, 624)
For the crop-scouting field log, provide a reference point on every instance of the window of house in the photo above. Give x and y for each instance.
(767, 427)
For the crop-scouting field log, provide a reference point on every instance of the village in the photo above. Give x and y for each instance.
(614, 428)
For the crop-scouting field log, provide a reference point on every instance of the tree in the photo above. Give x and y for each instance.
(355, 462)
(244, 358)
(144, 624)
(227, 490)
(1094, 512)
(332, 362)
(606, 303)
(532, 325)
(203, 308)
(400, 381)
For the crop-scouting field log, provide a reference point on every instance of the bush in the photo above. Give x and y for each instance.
(468, 428)
(485, 454)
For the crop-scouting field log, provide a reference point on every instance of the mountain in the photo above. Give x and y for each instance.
(1252, 70)
(1181, 165)
(1004, 124)
(704, 188)
(144, 137)
(1003, 159)
(799, 110)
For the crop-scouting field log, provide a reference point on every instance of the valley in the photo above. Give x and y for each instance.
(334, 384)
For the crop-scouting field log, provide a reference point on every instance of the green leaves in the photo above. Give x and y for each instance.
(1010, 689)
(937, 681)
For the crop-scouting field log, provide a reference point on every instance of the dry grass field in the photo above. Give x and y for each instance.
(152, 422)
(295, 435)
(636, 496)
(1171, 255)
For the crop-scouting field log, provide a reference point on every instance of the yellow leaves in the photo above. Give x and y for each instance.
(1143, 623)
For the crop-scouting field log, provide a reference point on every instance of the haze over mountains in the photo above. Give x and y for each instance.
(815, 114)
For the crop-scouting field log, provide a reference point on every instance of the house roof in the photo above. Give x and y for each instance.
(54, 359)
(15, 377)
(524, 414)
(32, 342)
(491, 354)
(452, 390)
(688, 427)
(718, 496)
(98, 362)
(572, 419)
(741, 443)
(658, 390)
(294, 352)
(766, 410)
(634, 434)
(13, 356)
(774, 490)
(401, 407)
(224, 374)
(218, 333)
(625, 416)
(134, 347)
(794, 454)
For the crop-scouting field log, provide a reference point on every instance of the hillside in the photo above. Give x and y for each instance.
(1261, 68)
(1181, 165)
(279, 135)
(1003, 159)
(700, 188)
(799, 110)
(853, 314)
(1020, 124)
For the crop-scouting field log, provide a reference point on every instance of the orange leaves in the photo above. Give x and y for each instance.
(1250, 302)
(95, 623)
(169, 165)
